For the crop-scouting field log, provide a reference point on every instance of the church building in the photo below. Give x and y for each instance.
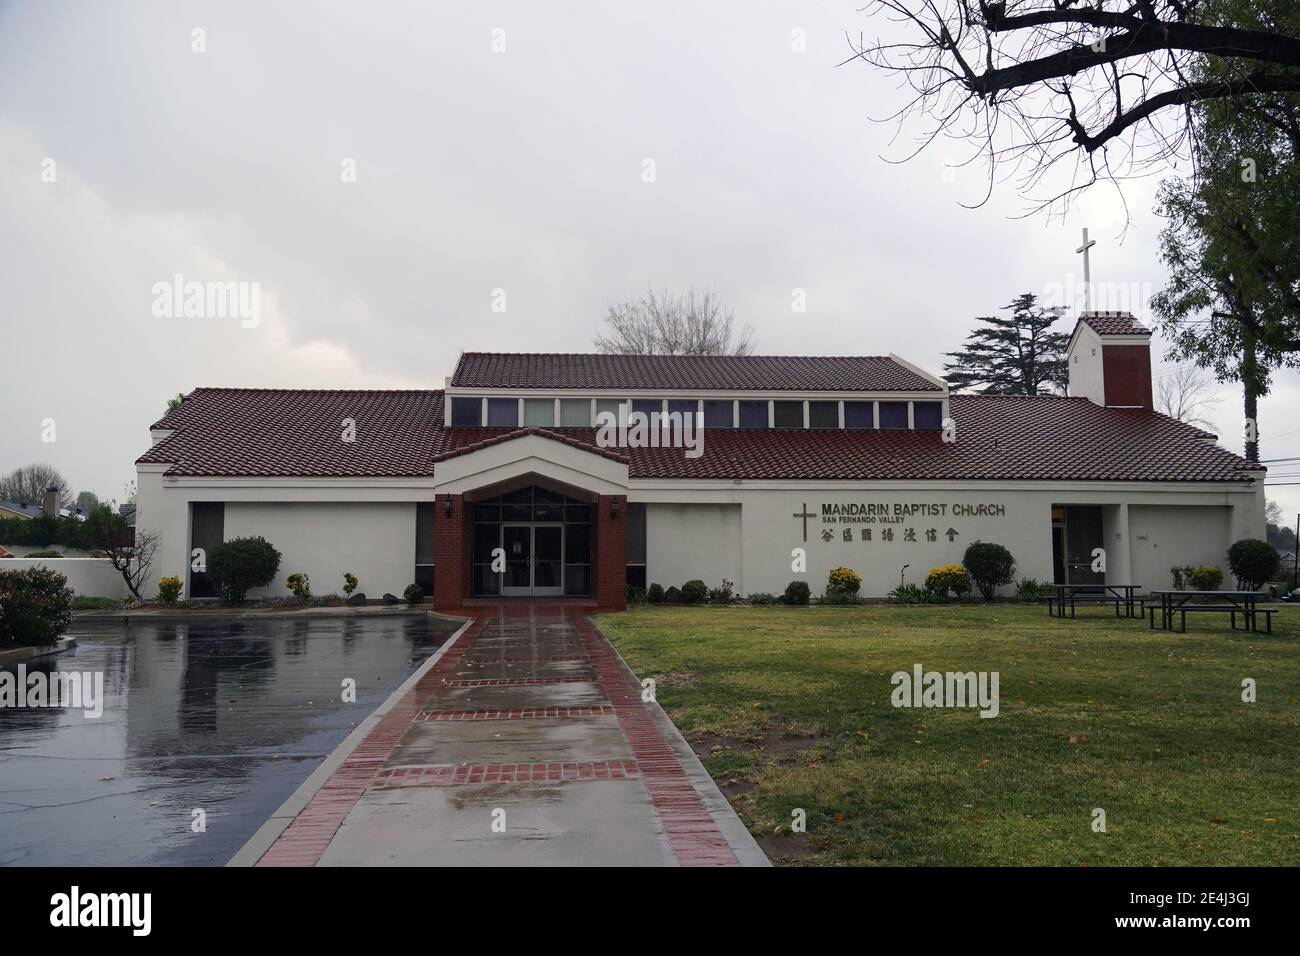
(572, 477)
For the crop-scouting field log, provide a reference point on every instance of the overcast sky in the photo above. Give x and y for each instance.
(478, 170)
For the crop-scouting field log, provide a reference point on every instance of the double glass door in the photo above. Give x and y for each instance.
(534, 556)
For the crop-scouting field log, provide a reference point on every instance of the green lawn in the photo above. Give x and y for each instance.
(790, 708)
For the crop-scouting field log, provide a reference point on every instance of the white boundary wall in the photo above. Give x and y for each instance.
(89, 577)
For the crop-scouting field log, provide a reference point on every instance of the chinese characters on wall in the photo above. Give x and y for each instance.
(886, 522)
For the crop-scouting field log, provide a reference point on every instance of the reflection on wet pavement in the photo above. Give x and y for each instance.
(227, 717)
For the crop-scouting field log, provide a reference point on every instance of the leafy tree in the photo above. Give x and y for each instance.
(1232, 301)
(177, 402)
(86, 502)
(1253, 563)
(1280, 534)
(666, 324)
(1012, 355)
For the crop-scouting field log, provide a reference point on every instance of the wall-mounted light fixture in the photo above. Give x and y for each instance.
(446, 505)
(613, 509)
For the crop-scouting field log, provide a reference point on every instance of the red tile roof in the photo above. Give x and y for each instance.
(288, 432)
(867, 373)
(553, 434)
(252, 432)
(1114, 323)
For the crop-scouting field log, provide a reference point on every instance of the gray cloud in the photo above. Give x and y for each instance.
(476, 171)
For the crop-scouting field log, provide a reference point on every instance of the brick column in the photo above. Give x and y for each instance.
(609, 586)
(450, 561)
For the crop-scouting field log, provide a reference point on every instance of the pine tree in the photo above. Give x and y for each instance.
(1012, 355)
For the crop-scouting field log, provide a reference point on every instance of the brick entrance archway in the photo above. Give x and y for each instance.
(529, 456)
(453, 555)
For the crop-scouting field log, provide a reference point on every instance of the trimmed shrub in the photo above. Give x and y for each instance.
(763, 599)
(35, 607)
(990, 566)
(694, 592)
(1202, 578)
(843, 581)
(673, 596)
(349, 583)
(300, 584)
(169, 589)
(414, 594)
(1253, 563)
(796, 593)
(948, 577)
(635, 594)
(241, 564)
(655, 595)
(51, 553)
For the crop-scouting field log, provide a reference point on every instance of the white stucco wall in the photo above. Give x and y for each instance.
(1086, 371)
(366, 527)
(1166, 535)
(373, 540)
(744, 532)
(689, 541)
(771, 533)
(685, 542)
(88, 577)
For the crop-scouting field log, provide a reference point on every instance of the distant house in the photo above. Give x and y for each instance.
(11, 509)
(49, 506)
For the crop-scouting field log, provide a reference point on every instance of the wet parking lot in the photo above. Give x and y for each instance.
(226, 717)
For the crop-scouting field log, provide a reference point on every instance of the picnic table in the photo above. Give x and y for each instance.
(1122, 594)
(1245, 603)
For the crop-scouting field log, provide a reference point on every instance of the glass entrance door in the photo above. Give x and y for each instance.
(534, 556)
(517, 542)
(548, 560)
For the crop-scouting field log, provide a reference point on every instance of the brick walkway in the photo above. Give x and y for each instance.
(526, 743)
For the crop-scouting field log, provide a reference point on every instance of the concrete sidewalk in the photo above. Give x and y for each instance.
(524, 742)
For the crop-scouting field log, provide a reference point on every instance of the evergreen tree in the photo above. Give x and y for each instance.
(1017, 354)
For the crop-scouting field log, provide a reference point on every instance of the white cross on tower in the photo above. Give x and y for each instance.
(1087, 276)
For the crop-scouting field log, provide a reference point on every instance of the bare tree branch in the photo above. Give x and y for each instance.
(661, 323)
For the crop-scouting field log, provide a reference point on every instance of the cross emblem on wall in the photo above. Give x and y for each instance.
(805, 514)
